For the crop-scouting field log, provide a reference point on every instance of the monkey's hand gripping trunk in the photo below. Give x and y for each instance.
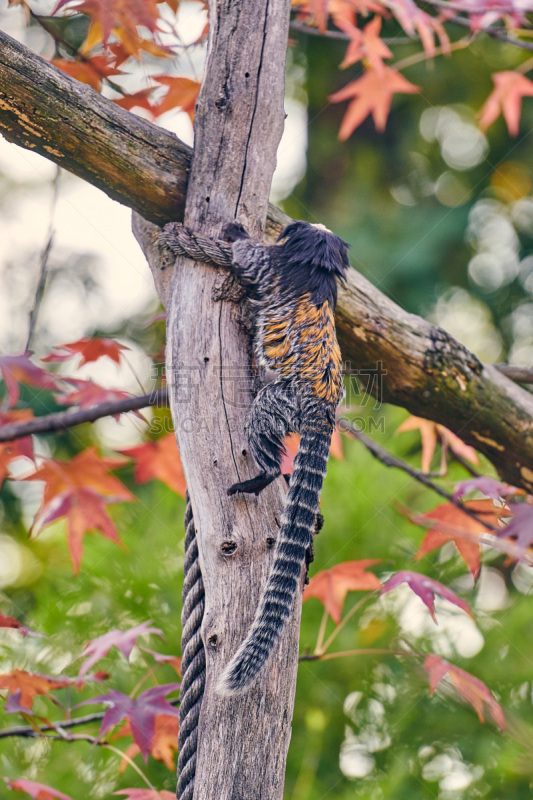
(298, 524)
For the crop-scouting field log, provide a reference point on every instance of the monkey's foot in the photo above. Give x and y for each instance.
(253, 486)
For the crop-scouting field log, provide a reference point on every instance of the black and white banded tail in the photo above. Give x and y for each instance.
(298, 524)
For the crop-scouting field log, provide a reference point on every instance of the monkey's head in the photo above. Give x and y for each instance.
(315, 247)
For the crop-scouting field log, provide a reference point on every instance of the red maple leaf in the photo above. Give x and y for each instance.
(89, 350)
(11, 622)
(141, 712)
(19, 369)
(15, 624)
(470, 688)
(36, 790)
(506, 99)
(18, 448)
(79, 490)
(159, 459)
(332, 585)
(147, 794)
(124, 640)
(426, 589)
(372, 93)
(87, 394)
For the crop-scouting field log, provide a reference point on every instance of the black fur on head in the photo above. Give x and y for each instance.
(315, 247)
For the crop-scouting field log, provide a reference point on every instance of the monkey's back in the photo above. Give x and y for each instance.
(296, 339)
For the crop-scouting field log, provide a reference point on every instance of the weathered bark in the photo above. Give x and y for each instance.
(427, 372)
(45, 110)
(238, 125)
(434, 376)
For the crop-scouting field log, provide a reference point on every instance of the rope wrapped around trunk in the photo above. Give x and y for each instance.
(193, 660)
(183, 242)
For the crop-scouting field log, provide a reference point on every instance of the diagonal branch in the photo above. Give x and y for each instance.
(390, 460)
(27, 731)
(70, 418)
(45, 110)
(421, 367)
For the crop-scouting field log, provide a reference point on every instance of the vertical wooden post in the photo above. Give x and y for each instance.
(239, 120)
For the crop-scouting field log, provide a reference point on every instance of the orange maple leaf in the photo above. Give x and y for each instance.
(318, 10)
(332, 585)
(182, 93)
(291, 443)
(140, 99)
(133, 44)
(30, 684)
(335, 447)
(372, 94)
(365, 44)
(159, 459)
(79, 490)
(448, 522)
(506, 99)
(164, 744)
(92, 71)
(162, 658)
(118, 16)
(347, 10)
(430, 433)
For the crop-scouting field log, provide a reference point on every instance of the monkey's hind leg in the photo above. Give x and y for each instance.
(272, 415)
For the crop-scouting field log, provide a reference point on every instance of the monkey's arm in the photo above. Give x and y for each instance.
(245, 258)
(183, 242)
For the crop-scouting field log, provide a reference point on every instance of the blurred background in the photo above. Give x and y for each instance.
(439, 216)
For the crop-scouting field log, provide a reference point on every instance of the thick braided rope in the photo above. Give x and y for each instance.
(184, 242)
(193, 660)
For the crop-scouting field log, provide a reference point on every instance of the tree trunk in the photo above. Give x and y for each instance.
(239, 121)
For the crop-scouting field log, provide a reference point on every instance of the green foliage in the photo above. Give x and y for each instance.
(369, 711)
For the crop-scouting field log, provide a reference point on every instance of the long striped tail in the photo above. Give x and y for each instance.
(298, 523)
